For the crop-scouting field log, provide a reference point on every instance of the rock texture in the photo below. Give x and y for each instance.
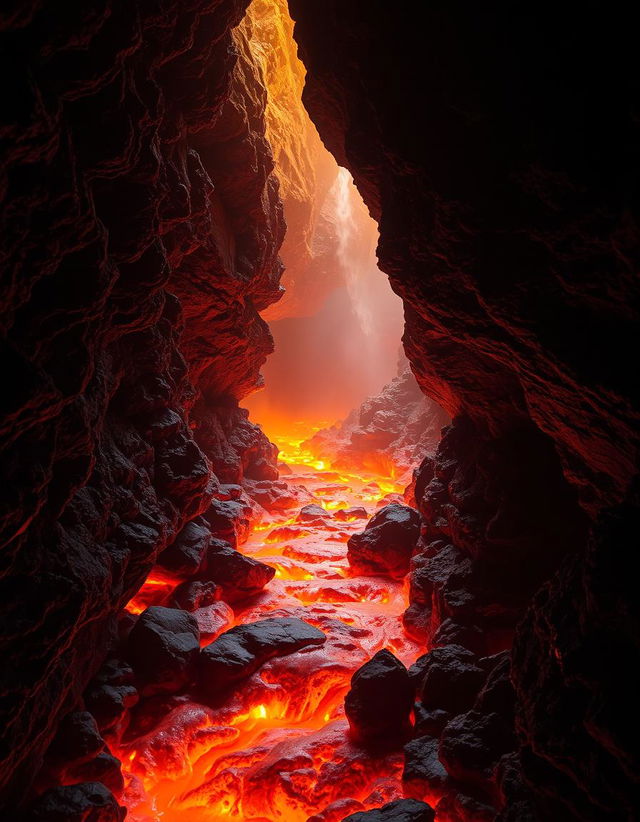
(387, 542)
(498, 157)
(140, 229)
(389, 434)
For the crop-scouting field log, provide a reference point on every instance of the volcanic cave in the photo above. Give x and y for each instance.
(367, 584)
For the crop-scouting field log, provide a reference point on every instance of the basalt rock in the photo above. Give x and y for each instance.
(163, 649)
(386, 544)
(448, 678)
(85, 802)
(111, 693)
(141, 227)
(402, 810)
(237, 575)
(379, 701)
(238, 653)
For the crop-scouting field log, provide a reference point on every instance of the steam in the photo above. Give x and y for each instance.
(349, 248)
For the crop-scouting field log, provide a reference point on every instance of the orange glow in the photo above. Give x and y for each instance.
(279, 748)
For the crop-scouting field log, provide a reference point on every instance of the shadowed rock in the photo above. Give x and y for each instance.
(402, 810)
(163, 649)
(386, 544)
(237, 575)
(86, 802)
(238, 653)
(379, 701)
(424, 774)
(111, 693)
(450, 677)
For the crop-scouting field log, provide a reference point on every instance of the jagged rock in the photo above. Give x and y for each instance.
(386, 544)
(193, 594)
(379, 701)
(402, 810)
(103, 768)
(424, 775)
(459, 807)
(238, 653)
(472, 743)
(78, 740)
(497, 694)
(111, 693)
(185, 554)
(349, 514)
(453, 633)
(312, 513)
(86, 802)
(276, 497)
(213, 619)
(450, 678)
(237, 575)
(230, 520)
(429, 722)
(163, 649)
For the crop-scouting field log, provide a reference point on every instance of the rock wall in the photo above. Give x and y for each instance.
(140, 229)
(495, 146)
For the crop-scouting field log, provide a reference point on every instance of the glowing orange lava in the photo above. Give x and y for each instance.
(279, 748)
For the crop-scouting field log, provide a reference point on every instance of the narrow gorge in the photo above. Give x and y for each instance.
(319, 435)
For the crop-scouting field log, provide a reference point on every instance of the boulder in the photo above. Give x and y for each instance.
(385, 546)
(85, 802)
(379, 702)
(424, 774)
(402, 810)
(163, 649)
(472, 743)
(186, 552)
(450, 678)
(237, 575)
(111, 693)
(238, 653)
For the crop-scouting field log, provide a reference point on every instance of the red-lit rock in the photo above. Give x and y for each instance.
(85, 802)
(386, 544)
(379, 701)
(163, 649)
(402, 810)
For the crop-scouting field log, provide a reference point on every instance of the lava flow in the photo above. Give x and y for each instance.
(279, 747)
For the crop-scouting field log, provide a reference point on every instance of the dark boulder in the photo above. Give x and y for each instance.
(472, 743)
(386, 544)
(186, 552)
(350, 514)
(86, 802)
(450, 677)
(194, 594)
(111, 693)
(237, 575)
(104, 768)
(424, 774)
(402, 810)
(77, 740)
(238, 653)
(429, 722)
(459, 807)
(163, 649)
(311, 513)
(379, 702)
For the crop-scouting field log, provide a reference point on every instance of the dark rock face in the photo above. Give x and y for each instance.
(448, 678)
(504, 200)
(402, 810)
(379, 701)
(386, 544)
(85, 802)
(141, 226)
(238, 653)
(163, 649)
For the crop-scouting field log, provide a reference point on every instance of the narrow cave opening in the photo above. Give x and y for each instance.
(324, 548)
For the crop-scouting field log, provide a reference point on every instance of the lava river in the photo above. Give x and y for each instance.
(279, 748)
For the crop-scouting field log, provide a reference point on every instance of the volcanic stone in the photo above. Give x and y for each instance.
(163, 649)
(423, 772)
(86, 802)
(380, 700)
(238, 653)
(237, 575)
(386, 544)
(451, 678)
(184, 555)
(310, 513)
(111, 693)
(402, 810)
(472, 743)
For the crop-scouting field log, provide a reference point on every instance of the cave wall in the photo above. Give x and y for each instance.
(497, 148)
(141, 224)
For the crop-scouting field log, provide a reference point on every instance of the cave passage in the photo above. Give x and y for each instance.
(275, 743)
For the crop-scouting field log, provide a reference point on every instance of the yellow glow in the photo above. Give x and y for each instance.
(260, 712)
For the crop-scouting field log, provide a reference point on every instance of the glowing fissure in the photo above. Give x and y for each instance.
(279, 747)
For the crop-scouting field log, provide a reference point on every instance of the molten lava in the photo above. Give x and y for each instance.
(279, 748)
